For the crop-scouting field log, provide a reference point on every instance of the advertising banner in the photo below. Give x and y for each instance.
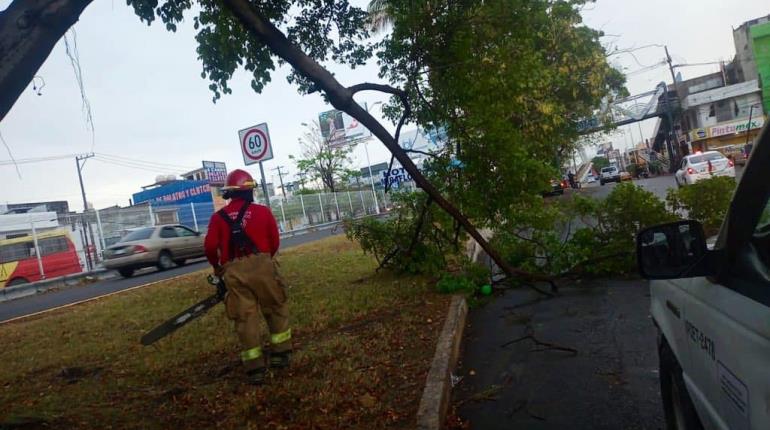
(216, 172)
(340, 129)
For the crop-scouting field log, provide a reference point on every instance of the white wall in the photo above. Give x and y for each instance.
(16, 223)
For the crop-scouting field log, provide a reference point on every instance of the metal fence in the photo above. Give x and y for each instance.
(78, 242)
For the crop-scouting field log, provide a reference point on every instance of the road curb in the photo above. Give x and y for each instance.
(91, 299)
(434, 403)
(60, 282)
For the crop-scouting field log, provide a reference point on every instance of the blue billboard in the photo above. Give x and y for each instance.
(179, 194)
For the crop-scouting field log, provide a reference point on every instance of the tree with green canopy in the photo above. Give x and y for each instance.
(323, 162)
(506, 80)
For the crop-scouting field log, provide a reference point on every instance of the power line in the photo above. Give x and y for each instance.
(74, 56)
(153, 169)
(145, 162)
(10, 154)
(36, 160)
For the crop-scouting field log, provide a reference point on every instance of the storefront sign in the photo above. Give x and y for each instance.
(395, 176)
(178, 192)
(735, 127)
(698, 134)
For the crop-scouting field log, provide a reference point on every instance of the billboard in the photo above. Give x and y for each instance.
(216, 172)
(177, 192)
(339, 129)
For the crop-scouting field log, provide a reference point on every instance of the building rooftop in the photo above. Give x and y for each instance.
(721, 93)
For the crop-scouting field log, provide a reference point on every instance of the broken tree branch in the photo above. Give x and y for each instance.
(545, 346)
(342, 98)
(418, 228)
(29, 30)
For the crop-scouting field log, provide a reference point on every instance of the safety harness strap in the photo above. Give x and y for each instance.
(239, 240)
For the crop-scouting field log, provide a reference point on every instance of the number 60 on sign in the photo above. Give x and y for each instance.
(255, 144)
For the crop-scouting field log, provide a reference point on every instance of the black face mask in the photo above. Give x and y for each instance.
(247, 195)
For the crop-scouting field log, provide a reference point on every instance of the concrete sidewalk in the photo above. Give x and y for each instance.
(611, 382)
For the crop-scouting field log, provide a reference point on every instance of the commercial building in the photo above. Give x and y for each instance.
(752, 58)
(721, 117)
(61, 207)
(726, 109)
(179, 201)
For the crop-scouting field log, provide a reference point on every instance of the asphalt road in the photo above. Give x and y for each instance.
(659, 185)
(604, 378)
(33, 304)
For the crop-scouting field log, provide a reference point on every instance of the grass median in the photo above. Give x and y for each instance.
(363, 343)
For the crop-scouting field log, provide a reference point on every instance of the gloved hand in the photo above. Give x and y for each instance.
(219, 271)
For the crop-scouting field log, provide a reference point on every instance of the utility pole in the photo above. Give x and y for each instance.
(672, 160)
(87, 231)
(679, 102)
(280, 178)
(671, 68)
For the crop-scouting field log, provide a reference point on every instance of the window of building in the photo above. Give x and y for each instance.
(712, 111)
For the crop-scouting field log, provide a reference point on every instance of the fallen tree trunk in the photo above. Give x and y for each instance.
(29, 30)
(341, 97)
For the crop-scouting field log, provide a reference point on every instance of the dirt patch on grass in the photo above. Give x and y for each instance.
(363, 348)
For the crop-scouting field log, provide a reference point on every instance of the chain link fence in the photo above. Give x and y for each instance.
(74, 243)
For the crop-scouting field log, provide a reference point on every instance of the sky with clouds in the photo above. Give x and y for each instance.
(150, 103)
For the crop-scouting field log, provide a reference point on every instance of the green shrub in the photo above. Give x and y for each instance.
(392, 240)
(590, 237)
(705, 201)
(452, 283)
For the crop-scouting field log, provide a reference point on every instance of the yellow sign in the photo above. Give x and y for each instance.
(698, 134)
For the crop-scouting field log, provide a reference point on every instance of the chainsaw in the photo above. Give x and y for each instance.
(189, 314)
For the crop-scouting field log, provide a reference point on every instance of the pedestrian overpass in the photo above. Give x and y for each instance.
(628, 110)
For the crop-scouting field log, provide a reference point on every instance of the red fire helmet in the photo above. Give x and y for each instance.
(239, 180)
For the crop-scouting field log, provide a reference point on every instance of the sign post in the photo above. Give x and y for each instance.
(256, 148)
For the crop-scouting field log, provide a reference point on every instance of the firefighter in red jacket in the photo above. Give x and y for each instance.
(242, 239)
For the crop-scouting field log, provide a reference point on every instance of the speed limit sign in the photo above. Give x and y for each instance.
(255, 144)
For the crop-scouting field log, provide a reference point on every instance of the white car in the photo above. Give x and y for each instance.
(609, 174)
(704, 165)
(711, 306)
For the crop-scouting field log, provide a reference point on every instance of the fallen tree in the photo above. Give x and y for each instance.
(551, 78)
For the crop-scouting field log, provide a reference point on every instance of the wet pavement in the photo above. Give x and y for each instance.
(590, 361)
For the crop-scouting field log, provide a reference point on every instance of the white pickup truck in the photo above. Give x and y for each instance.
(609, 174)
(712, 309)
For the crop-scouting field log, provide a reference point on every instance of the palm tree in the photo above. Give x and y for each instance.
(380, 17)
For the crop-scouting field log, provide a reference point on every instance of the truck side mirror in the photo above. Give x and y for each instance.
(674, 250)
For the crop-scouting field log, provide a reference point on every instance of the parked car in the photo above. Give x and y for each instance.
(711, 305)
(609, 174)
(557, 187)
(162, 246)
(704, 165)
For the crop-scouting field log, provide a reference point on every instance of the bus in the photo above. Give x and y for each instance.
(19, 263)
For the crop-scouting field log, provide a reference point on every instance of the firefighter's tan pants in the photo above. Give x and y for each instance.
(255, 289)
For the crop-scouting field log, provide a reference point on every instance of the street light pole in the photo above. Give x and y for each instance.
(369, 164)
